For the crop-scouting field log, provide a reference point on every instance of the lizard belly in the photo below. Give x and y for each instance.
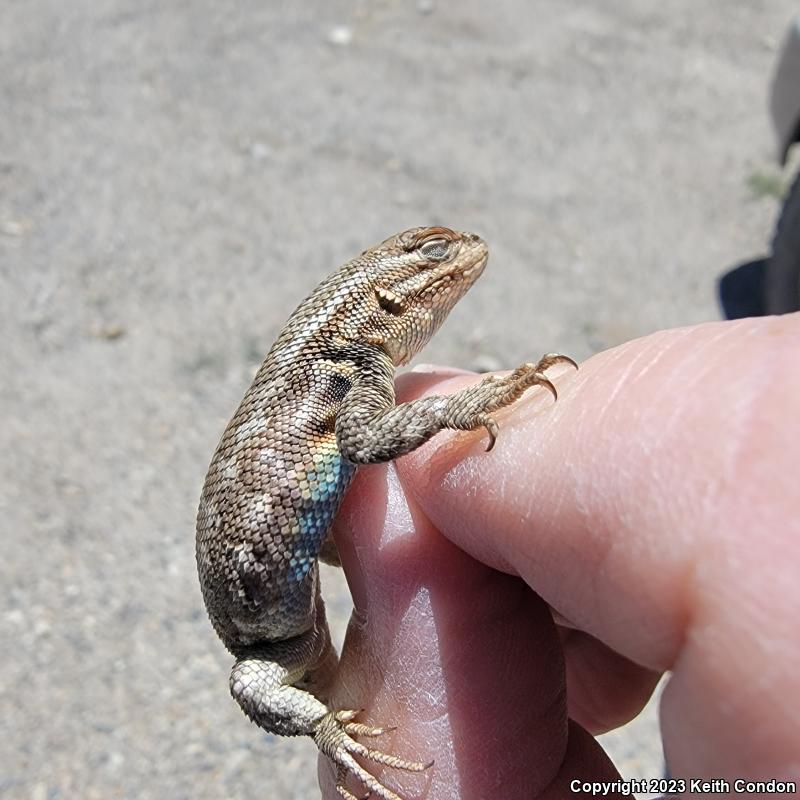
(262, 583)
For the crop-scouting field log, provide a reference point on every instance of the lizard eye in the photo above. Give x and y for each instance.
(435, 249)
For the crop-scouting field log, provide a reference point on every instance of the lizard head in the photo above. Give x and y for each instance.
(412, 281)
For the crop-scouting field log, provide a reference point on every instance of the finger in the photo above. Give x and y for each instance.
(604, 689)
(583, 762)
(463, 660)
(655, 506)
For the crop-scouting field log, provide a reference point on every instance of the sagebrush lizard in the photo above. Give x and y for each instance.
(321, 404)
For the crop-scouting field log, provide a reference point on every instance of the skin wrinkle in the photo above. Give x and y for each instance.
(398, 521)
(664, 639)
(665, 345)
(525, 562)
(457, 475)
(653, 355)
(410, 661)
(615, 354)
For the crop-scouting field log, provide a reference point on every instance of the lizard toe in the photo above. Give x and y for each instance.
(333, 738)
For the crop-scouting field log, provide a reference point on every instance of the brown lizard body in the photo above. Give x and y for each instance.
(321, 404)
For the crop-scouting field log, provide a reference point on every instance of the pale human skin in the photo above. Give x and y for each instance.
(654, 506)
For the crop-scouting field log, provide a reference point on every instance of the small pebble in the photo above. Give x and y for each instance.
(259, 151)
(109, 332)
(340, 35)
(13, 227)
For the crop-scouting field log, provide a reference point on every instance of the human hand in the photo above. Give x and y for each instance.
(654, 507)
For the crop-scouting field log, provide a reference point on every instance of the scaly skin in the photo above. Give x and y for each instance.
(321, 404)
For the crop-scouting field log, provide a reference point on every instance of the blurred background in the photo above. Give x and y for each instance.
(175, 177)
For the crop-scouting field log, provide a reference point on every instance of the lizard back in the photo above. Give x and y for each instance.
(273, 488)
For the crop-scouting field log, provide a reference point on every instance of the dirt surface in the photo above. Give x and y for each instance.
(174, 177)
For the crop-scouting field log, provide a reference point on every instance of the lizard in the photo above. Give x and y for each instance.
(322, 404)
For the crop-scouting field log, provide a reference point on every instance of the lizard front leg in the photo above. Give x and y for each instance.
(371, 429)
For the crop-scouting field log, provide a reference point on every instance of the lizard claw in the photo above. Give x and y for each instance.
(540, 379)
(344, 716)
(492, 429)
(550, 359)
(530, 374)
(359, 729)
(333, 738)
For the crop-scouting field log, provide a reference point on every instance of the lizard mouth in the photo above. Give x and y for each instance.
(476, 267)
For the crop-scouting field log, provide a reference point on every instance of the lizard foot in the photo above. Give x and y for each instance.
(334, 737)
(533, 374)
(510, 387)
(471, 408)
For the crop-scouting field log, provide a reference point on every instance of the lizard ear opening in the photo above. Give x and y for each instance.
(390, 302)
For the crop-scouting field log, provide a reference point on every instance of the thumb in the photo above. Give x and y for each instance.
(463, 659)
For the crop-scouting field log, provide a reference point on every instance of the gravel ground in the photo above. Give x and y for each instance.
(174, 177)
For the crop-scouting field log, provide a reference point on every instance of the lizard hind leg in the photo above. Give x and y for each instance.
(271, 684)
(283, 688)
